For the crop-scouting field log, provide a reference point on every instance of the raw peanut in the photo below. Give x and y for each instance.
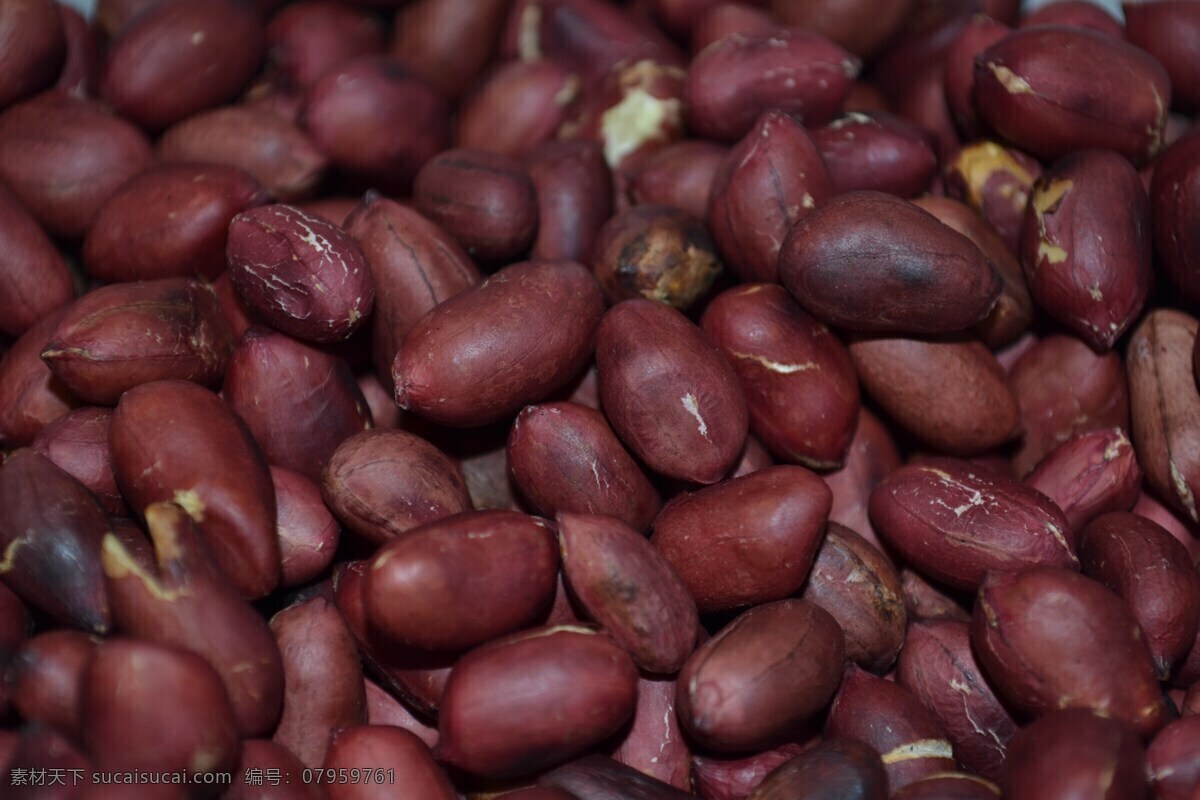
(261, 754)
(996, 182)
(925, 601)
(299, 403)
(34, 280)
(574, 196)
(721, 777)
(384, 709)
(175, 441)
(170, 221)
(415, 266)
(860, 588)
(30, 396)
(678, 17)
(1096, 292)
(754, 457)
(953, 395)
(489, 482)
(872, 455)
(668, 392)
(954, 522)
(886, 716)
(272, 149)
(447, 42)
(300, 273)
(77, 443)
(308, 534)
(1167, 31)
(1173, 760)
(381, 483)
(731, 19)
(768, 671)
(519, 106)
(875, 151)
(128, 727)
(376, 120)
(484, 200)
(980, 33)
(1089, 475)
(322, 678)
(177, 595)
(34, 45)
(1076, 753)
(937, 666)
(63, 157)
(1065, 389)
(654, 744)
(1165, 407)
(307, 39)
(746, 540)
(51, 528)
(793, 70)
(1013, 312)
(680, 174)
(534, 699)
(1175, 198)
(384, 411)
(780, 353)
(180, 57)
(565, 457)
(46, 676)
(770, 179)
(1151, 509)
(1074, 14)
(396, 751)
(1145, 565)
(837, 768)
(949, 786)
(656, 252)
(462, 581)
(1049, 638)
(598, 777)
(628, 587)
(922, 101)
(1112, 96)
(126, 334)
(872, 262)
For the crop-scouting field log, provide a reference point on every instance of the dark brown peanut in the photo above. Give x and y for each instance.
(1076, 752)
(77, 442)
(574, 196)
(1089, 475)
(34, 281)
(876, 151)
(834, 769)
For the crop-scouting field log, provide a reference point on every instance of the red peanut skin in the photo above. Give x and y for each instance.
(1096, 292)
(995, 181)
(170, 221)
(747, 540)
(1075, 14)
(891, 720)
(301, 273)
(51, 529)
(528, 330)
(654, 744)
(980, 32)
(1049, 638)
(668, 392)
(64, 157)
(45, 679)
(381, 483)
(519, 106)
(160, 67)
(949, 786)
(953, 522)
(925, 601)
(1165, 407)
(565, 457)
(1064, 389)
(299, 403)
(733, 777)
(836, 768)
(1089, 475)
(736, 79)
(953, 395)
(937, 666)
(1154, 573)
(34, 46)
(77, 442)
(1173, 760)
(308, 533)
(871, 456)
(81, 68)
(780, 353)
(598, 777)
(307, 39)
(1024, 93)
(322, 676)
(43, 748)
(861, 589)
(574, 194)
(875, 151)
(177, 595)
(752, 685)
(174, 440)
(384, 709)
(462, 581)
(1074, 753)
(261, 754)
(1174, 198)
(384, 747)
(415, 266)
(533, 700)
(123, 335)
(730, 19)
(680, 174)
(34, 281)
(872, 262)
(1167, 31)
(30, 396)
(771, 179)
(626, 585)
(447, 42)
